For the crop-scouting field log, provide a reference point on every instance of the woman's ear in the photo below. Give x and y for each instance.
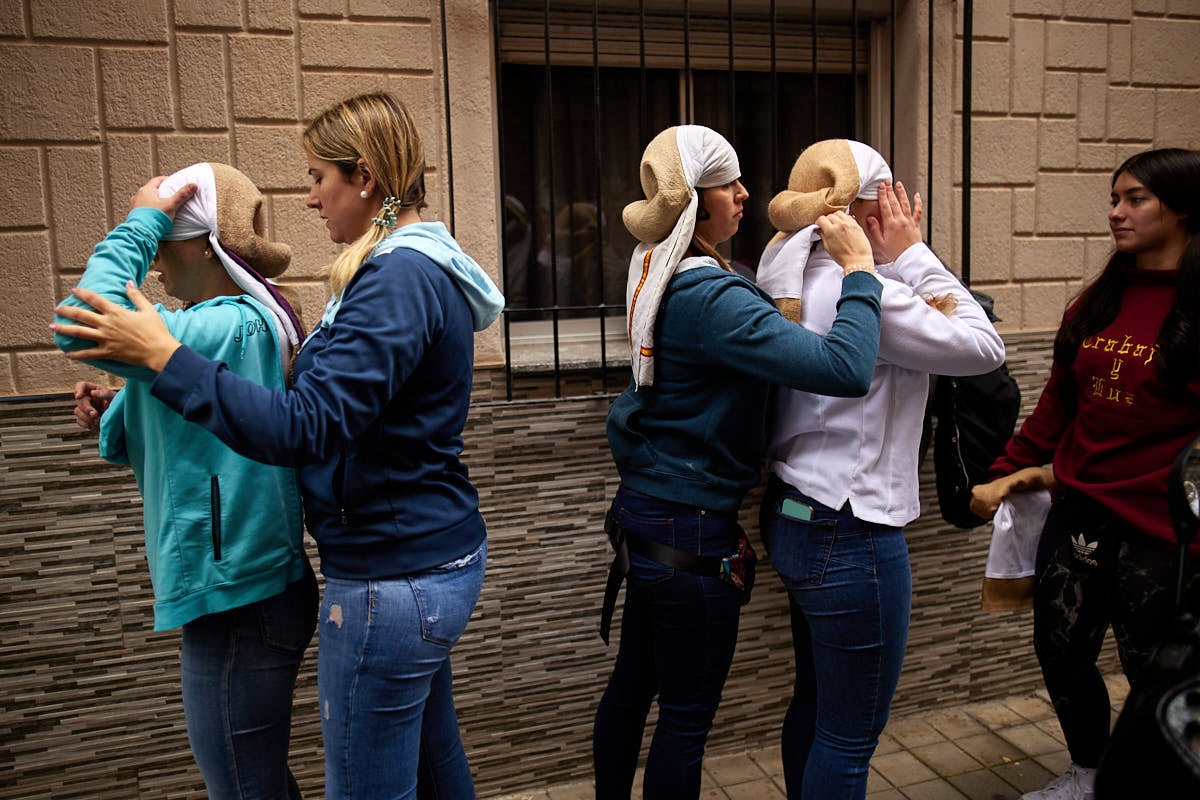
(369, 183)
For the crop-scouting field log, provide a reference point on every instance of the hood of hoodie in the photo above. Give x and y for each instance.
(432, 240)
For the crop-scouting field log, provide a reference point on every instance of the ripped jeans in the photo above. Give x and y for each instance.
(384, 682)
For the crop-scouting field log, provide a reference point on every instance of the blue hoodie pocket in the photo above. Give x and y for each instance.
(214, 501)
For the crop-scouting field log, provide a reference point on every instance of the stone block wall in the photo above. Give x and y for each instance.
(96, 98)
(1062, 92)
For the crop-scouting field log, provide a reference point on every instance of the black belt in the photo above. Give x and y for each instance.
(624, 541)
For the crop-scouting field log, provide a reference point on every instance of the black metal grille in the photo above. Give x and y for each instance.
(582, 88)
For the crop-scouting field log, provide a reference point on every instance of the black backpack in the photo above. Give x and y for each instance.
(975, 417)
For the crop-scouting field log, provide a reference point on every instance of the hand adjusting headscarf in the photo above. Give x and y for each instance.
(227, 209)
(677, 161)
(827, 177)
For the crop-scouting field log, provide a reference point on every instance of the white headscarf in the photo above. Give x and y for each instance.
(198, 217)
(707, 160)
(781, 269)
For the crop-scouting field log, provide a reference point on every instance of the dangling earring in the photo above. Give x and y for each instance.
(363, 194)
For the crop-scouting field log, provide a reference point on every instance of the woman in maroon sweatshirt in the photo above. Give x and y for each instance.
(1122, 401)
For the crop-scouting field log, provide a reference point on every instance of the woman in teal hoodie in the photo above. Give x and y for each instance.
(223, 532)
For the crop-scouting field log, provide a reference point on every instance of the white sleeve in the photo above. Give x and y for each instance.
(916, 336)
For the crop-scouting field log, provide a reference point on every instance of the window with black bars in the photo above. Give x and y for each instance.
(583, 87)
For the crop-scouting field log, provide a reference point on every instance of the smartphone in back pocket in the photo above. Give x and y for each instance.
(794, 509)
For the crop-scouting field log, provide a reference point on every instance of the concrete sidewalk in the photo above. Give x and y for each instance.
(993, 750)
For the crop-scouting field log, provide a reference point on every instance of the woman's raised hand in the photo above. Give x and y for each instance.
(147, 197)
(899, 224)
(845, 241)
(138, 337)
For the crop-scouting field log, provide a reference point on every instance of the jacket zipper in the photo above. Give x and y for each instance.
(214, 499)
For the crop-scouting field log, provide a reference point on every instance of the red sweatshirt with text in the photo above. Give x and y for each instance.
(1109, 425)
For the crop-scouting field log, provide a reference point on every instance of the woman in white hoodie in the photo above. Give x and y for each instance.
(843, 478)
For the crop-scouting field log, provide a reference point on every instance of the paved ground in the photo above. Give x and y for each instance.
(993, 750)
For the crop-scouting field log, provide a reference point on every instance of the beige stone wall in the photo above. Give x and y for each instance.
(94, 98)
(97, 97)
(1064, 91)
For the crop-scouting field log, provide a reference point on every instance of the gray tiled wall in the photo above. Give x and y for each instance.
(90, 695)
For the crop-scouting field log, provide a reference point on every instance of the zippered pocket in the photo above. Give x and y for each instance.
(214, 500)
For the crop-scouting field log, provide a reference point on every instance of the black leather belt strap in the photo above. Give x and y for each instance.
(623, 542)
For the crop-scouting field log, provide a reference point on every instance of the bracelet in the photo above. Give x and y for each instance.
(858, 268)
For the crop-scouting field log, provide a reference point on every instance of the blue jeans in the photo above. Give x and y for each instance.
(383, 677)
(850, 592)
(239, 670)
(678, 632)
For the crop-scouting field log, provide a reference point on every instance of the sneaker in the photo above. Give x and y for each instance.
(1077, 783)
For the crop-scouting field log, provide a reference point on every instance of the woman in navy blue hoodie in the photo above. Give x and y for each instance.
(689, 436)
(374, 422)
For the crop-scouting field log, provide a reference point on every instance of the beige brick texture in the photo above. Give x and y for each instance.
(123, 20)
(1007, 306)
(1028, 50)
(1119, 10)
(1177, 118)
(1040, 259)
(303, 229)
(1093, 106)
(272, 15)
(200, 61)
(130, 164)
(1076, 45)
(36, 73)
(209, 13)
(1042, 305)
(46, 371)
(271, 155)
(1120, 53)
(360, 45)
(1061, 94)
(1024, 210)
(1183, 8)
(178, 150)
(990, 88)
(1096, 156)
(990, 20)
(12, 20)
(28, 292)
(991, 235)
(320, 90)
(423, 97)
(75, 227)
(1150, 6)
(23, 187)
(409, 9)
(1004, 150)
(137, 88)
(1130, 114)
(264, 77)
(1153, 39)
(1072, 203)
(1058, 143)
(1038, 8)
(8, 378)
(1096, 253)
(324, 8)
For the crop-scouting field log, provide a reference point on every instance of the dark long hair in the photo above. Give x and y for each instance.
(1173, 175)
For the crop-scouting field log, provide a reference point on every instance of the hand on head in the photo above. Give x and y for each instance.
(91, 401)
(898, 225)
(147, 197)
(845, 240)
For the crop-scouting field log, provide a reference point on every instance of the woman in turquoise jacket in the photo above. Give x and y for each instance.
(223, 533)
